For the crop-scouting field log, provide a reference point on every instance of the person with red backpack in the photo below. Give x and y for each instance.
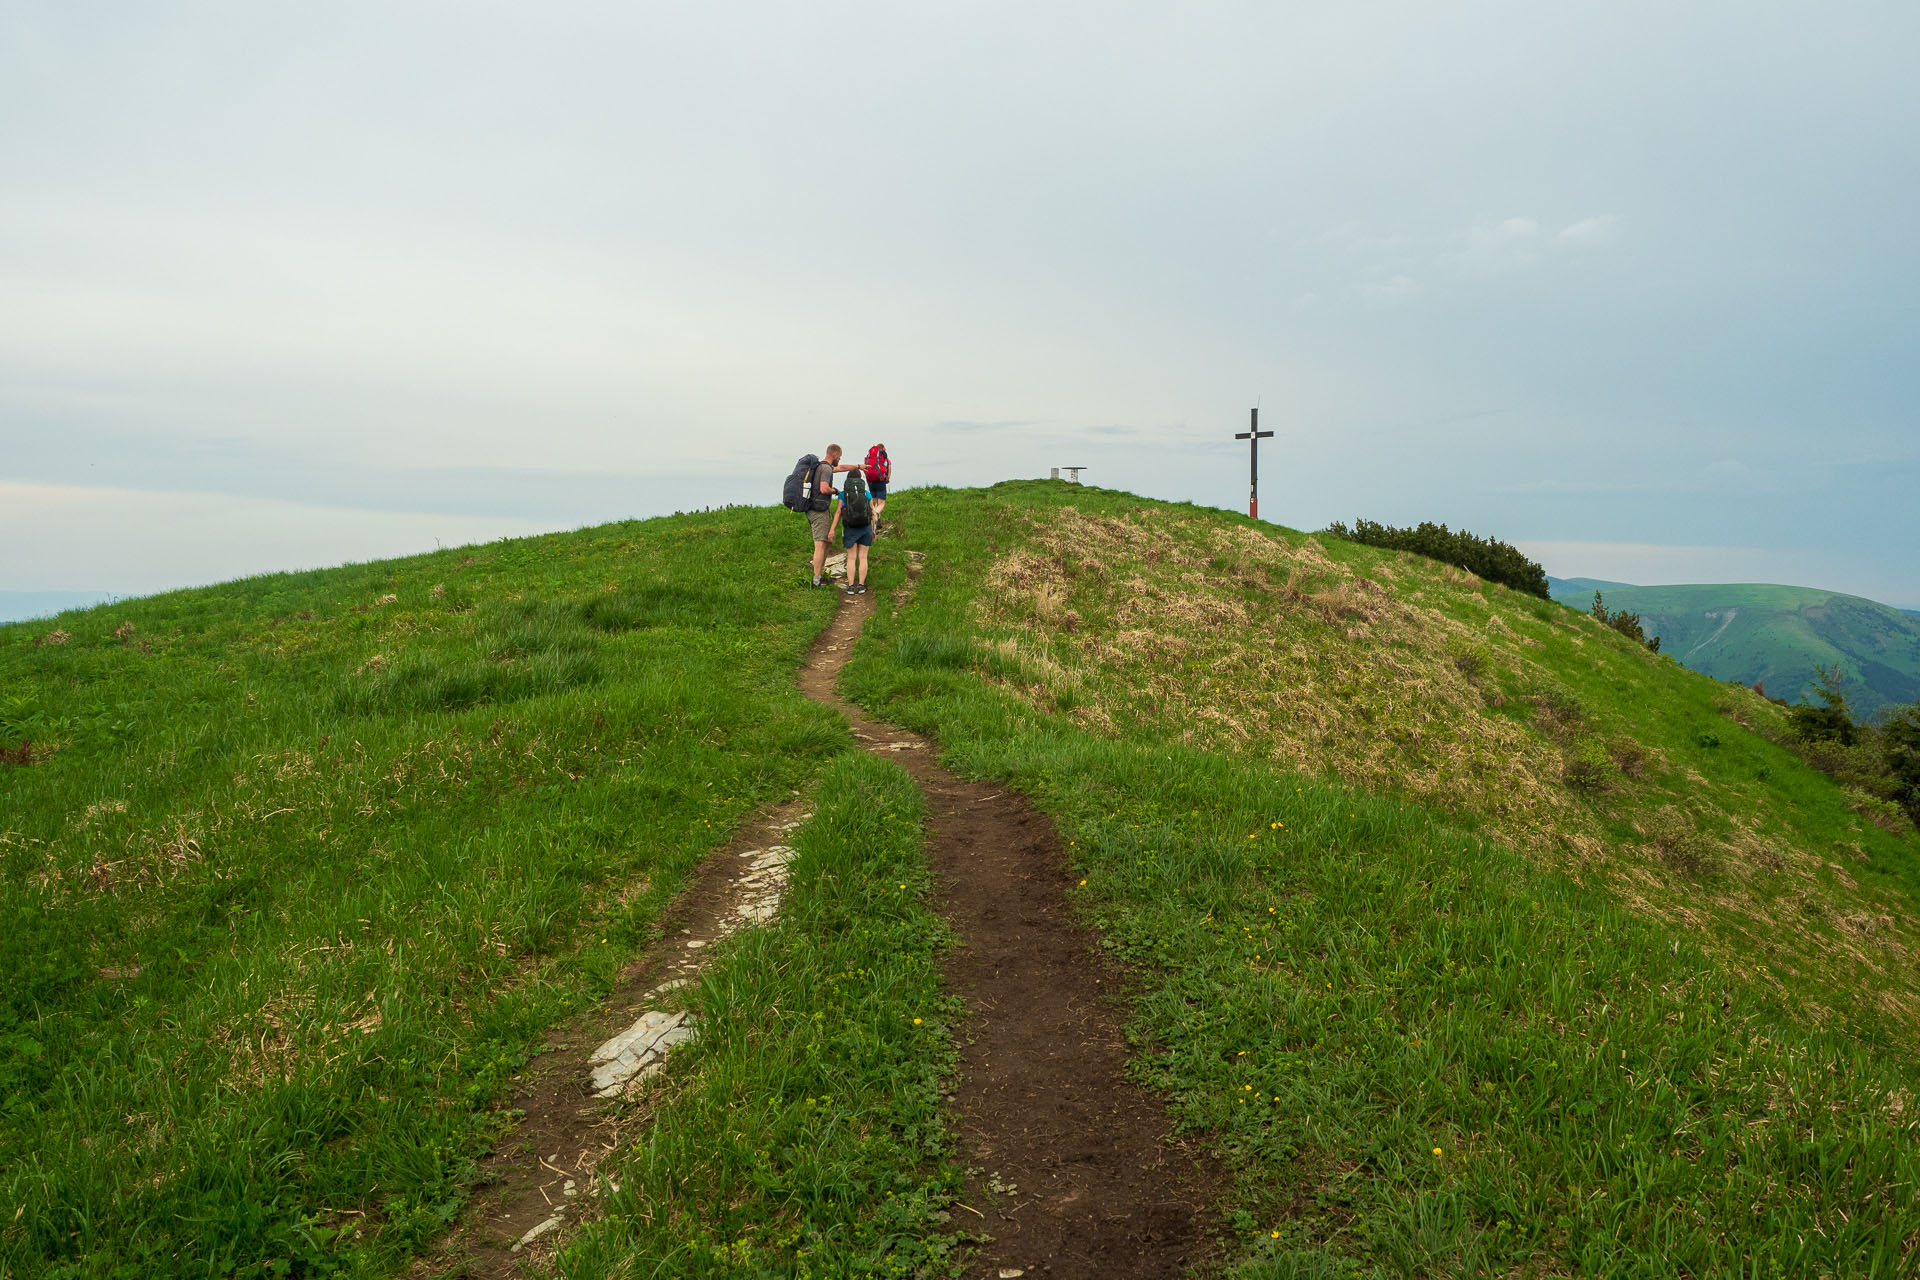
(879, 471)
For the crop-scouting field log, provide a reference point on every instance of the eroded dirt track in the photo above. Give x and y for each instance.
(1042, 1105)
(1077, 1175)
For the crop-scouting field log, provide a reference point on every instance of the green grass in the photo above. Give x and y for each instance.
(302, 866)
(304, 863)
(1336, 981)
(801, 1134)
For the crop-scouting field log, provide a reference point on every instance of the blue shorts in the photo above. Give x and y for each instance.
(877, 491)
(856, 537)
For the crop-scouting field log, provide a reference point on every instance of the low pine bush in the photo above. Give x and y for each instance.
(1627, 624)
(1486, 557)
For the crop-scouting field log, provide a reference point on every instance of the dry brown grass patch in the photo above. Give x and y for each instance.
(1228, 638)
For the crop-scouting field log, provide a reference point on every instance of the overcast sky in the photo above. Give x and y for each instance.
(1634, 285)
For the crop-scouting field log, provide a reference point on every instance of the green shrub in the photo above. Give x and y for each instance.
(1490, 559)
(1590, 766)
(1828, 722)
(1900, 755)
(1627, 624)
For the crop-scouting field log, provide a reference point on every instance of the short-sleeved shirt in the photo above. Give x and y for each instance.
(820, 522)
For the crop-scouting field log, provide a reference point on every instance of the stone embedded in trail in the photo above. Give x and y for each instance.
(638, 1051)
(539, 1231)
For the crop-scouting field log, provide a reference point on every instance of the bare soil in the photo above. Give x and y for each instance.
(1090, 1181)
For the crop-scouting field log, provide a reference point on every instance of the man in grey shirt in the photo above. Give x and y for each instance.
(821, 515)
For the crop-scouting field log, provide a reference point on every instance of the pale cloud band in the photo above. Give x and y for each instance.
(140, 541)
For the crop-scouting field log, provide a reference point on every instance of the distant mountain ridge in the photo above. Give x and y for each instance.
(1778, 635)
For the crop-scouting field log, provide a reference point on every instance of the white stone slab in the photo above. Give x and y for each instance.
(549, 1225)
(638, 1051)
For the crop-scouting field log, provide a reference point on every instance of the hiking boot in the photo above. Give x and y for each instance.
(862, 588)
(850, 590)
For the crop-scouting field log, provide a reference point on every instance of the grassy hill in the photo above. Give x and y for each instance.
(298, 870)
(1778, 635)
(1473, 938)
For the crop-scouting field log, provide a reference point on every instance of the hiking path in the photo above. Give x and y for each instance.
(1076, 1174)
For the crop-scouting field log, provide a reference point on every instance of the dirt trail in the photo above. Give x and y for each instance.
(1042, 1105)
(1078, 1177)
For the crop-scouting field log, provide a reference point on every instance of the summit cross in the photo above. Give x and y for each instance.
(1253, 436)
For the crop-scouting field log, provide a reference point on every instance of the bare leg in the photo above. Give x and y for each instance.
(819, 557)
(859, 550)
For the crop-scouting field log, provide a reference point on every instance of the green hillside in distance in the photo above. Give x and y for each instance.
(1566, 589)
(1774, 634)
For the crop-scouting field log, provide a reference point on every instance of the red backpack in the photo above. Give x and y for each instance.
(879, 470)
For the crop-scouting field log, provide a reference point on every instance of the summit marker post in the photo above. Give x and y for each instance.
(1253, 436)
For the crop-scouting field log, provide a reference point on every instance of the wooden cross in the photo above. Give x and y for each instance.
(1253, 437)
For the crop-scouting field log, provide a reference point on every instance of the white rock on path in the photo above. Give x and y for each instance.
(638, 1051)
(539, 1231)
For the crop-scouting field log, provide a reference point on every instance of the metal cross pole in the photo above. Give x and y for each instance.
(1253, 436)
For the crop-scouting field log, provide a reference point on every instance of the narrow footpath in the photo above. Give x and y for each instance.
(1078, 1174)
